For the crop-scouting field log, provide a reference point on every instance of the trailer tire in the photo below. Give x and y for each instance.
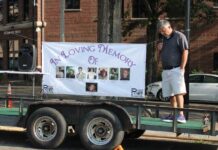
(46, 128)
(100, 129)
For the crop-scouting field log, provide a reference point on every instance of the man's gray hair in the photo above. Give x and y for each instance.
(162, 23)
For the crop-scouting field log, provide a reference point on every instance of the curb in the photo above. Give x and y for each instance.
(185, 137)
(9, 128)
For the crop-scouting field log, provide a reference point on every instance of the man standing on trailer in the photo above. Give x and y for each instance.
(174, 54)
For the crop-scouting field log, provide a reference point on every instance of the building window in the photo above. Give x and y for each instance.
(72, 4)
(26, 13)
(1, 11)
(138, 9)
(13, 10)
(215, 61)
(13, 54)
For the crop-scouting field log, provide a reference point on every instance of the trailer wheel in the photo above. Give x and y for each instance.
(101, 130)
(46, 128)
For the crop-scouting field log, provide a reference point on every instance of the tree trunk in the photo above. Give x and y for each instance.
(109, 21)
(115, 18)
(103, 21)
(152, 69)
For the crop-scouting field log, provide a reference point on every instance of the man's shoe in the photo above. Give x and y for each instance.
(168, 118)
(181, 119)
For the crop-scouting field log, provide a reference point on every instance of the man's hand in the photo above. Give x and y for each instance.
(184, 60)
(182, 70)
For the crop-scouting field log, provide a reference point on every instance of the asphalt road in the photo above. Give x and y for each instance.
(18, 141)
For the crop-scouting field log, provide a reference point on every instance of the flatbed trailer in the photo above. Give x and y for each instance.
(101, 124)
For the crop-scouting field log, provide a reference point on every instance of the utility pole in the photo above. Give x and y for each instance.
(187, 20)
(187, 33)
(33, 22)
(62, 21)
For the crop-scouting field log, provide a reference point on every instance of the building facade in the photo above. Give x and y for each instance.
(15, 29)
(204, 49)
(35, 21)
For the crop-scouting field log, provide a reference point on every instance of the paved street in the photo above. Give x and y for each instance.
(18, 141)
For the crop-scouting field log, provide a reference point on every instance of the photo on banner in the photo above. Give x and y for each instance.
(114, 74)
(70, 72)
(91, 87)
(92, 73)
(60, 72)
(81, 75)
(103, 73)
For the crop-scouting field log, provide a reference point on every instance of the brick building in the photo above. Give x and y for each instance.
(15, 23)
(80, 25)
(204, 49)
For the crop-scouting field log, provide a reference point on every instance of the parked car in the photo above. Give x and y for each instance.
(202, 88)
(154, 90)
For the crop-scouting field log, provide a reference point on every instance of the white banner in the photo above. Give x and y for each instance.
(97, 69)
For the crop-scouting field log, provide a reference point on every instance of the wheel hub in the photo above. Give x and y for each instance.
(45, 128)
(101, 131)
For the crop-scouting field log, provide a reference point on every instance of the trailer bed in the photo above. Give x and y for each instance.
(13, 111)
(190, 124)
(10, 116)
(147, 121)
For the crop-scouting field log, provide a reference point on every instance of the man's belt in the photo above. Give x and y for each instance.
(169, 67)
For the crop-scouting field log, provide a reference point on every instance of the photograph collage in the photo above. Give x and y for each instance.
(92, 73)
